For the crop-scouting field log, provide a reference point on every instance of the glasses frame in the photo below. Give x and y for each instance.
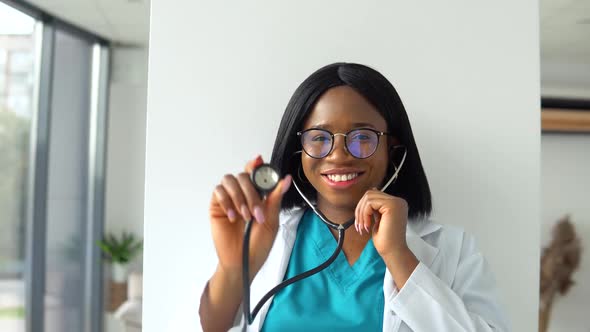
(333, 136)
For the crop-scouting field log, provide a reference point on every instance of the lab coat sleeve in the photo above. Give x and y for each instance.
(238, 320)
(426, 303)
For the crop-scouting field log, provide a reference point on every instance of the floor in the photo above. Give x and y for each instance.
(12, 310)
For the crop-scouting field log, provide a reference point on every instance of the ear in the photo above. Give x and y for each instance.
(392, 142)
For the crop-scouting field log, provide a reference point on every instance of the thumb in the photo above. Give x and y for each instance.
(276, 196)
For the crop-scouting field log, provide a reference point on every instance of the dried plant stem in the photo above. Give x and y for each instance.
(545, 311)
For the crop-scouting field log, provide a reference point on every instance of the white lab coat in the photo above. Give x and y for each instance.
(452, 288)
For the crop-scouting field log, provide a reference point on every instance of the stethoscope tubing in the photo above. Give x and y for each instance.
(341, 228)
(246, 282)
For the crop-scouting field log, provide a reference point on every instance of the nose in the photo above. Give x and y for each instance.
(339, 151)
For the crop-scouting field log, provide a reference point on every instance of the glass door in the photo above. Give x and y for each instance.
(17, 86)
(53, 97)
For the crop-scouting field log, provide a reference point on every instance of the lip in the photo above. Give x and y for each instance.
(341, 171)
(341, 184)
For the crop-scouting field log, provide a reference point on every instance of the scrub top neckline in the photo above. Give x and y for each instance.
(325, 301)
(342, 273)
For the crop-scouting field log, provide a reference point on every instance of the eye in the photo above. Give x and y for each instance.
(319, 138)
(361, 137)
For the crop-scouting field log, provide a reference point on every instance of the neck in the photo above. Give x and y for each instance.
(336, 214)
(340, 215)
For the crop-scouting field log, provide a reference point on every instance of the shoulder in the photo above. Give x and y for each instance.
(455, 250)
(442, 236)
(444, 247)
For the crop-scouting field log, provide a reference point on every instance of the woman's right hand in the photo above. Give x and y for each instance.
(235, 201)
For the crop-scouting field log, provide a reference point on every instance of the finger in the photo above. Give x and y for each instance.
(252, 164)
(224, 200)
(363, 223)
(377, 222)
(253, 200)
(369, 208)
(274, 199)
(234, 191)
(357, 213)
(362, 215)
(367, 215)
(382, 202)
(279, 191)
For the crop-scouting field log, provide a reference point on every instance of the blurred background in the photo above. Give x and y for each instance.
(73, 82)
(565, 160)
(73, 79)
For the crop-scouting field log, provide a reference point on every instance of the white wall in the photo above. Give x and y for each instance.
(566, 190)
(126, 142)
(565, 79)
(223, 74)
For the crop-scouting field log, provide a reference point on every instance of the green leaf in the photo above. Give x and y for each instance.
(121, 249)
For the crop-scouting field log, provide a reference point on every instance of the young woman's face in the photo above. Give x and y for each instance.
(339, 178)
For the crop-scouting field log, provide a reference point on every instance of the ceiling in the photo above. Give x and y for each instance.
(565, 30)
(565, 48)
(564, 34)
(122, 21)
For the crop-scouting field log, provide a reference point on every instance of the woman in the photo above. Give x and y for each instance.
(344, 134)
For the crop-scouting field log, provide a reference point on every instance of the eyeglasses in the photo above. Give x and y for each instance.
(361, 143)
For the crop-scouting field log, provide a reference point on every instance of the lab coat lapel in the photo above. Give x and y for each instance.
(415, 232)
(273, 270)
(424, 252)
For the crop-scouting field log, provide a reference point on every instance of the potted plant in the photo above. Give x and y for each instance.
(120, 251)
(559, 261)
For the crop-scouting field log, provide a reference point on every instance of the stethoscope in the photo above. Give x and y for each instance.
(265, 178)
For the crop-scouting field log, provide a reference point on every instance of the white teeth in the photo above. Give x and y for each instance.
(342, 177)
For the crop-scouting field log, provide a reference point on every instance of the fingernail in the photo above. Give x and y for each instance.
(286, 184)
(356, 226)
(245, 213)
(258, 158)
(231, 214)
(258, 214)
(367, 228)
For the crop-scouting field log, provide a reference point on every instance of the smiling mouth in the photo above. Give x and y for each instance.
(342, 177)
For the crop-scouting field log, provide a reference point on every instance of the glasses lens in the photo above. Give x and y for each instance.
(362, 143)
(316, 143)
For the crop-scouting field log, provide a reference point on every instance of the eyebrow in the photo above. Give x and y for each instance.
(354, 125)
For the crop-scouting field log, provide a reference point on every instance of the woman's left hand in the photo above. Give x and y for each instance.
(386, 217)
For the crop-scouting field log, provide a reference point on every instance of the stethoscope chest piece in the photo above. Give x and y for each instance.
(265, 178)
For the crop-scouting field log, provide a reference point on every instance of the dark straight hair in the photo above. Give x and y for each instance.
(411, 183)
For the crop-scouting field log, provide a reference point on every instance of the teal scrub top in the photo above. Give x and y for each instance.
(339, 298)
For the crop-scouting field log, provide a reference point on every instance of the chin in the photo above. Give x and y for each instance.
(343, 201)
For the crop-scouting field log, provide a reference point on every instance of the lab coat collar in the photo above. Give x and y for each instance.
(273, 270)
(291, 217)
(416, 230)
